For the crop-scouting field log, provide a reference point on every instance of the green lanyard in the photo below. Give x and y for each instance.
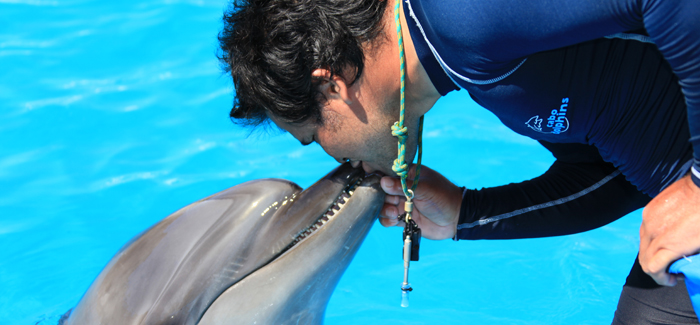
(411, 233)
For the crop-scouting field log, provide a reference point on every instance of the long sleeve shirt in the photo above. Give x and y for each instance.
(621, 77)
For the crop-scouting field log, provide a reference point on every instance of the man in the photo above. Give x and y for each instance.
(611, 88)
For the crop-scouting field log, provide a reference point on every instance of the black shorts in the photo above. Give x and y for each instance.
(643, 302)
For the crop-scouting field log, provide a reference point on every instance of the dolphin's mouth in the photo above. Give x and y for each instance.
(333, 209)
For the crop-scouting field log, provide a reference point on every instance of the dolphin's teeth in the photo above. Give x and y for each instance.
(325, 217)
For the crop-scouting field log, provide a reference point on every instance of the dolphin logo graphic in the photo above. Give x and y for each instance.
(535, 123)
(555, 125)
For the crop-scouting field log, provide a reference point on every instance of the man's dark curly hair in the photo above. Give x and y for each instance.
(271, 47)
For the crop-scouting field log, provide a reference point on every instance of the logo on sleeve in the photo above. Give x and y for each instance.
(557, 122)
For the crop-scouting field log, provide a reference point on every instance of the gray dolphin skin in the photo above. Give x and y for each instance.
(262, 252)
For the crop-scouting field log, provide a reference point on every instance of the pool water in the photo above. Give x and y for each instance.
(113, 115)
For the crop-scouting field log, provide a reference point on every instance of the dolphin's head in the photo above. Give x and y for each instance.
(325, 226)
(302, 214)
(263, 251)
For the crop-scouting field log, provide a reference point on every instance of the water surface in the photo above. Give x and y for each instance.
(114, 115)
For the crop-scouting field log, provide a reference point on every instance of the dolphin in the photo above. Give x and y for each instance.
(262, 252)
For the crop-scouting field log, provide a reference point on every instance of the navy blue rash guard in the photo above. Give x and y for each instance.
(547, 70)
(610, 87)
(575, 72)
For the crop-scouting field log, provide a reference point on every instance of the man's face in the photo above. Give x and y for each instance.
(357, 117)
(357, 121)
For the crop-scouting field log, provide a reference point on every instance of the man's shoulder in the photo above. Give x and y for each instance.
(462, 28)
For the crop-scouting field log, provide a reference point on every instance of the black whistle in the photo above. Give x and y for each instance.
(414, 232)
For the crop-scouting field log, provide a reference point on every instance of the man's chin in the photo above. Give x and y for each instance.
(372, 169)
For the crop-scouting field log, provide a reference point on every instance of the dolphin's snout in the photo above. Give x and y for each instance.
(373, 181)
(345, 174)
(353, 178)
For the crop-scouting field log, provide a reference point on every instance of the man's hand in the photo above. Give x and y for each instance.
(436, 203)
(670, 229)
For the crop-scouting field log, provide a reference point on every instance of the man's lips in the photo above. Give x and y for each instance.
(368, 168)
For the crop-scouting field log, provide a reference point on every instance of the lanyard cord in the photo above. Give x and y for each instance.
(398, 130)
(411, 232)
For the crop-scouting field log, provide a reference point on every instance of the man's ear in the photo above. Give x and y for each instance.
(333, 87)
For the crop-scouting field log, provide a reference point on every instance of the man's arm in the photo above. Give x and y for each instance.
(579, 192)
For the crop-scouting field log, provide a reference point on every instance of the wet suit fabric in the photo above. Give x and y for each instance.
(688, 267)
(611, 88)
(525, 60)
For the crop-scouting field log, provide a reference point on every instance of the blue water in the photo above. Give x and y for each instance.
(114, 115)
